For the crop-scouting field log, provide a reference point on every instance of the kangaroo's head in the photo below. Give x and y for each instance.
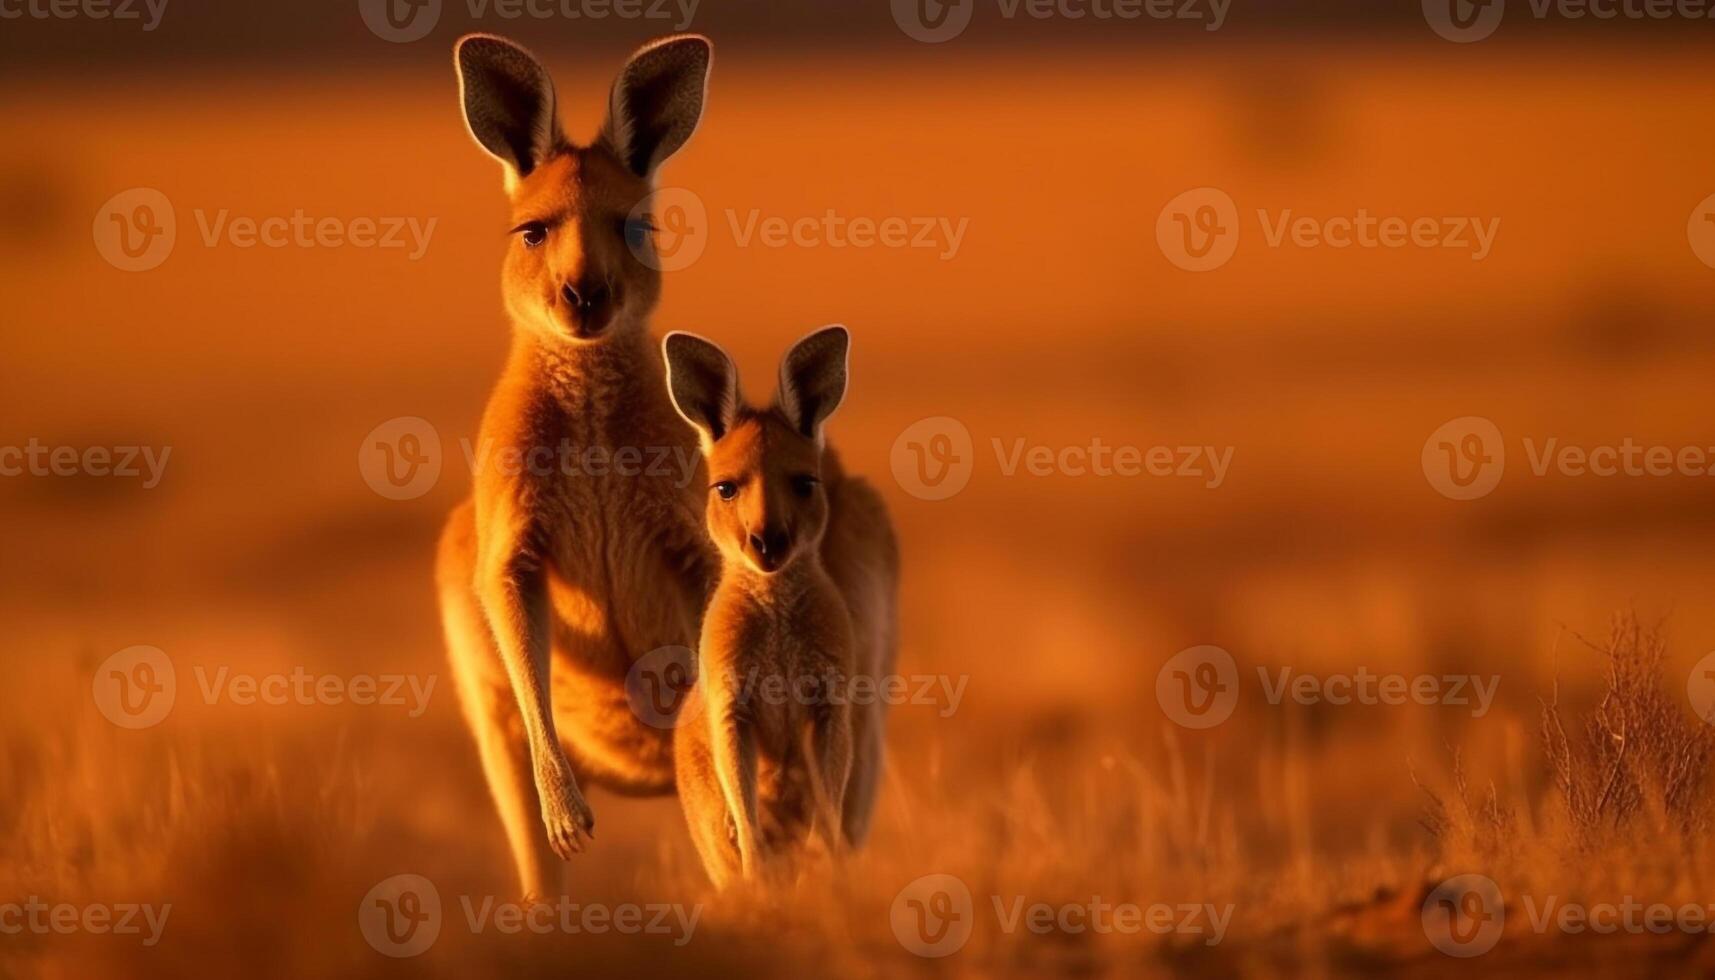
(766, 505)
(581, 263)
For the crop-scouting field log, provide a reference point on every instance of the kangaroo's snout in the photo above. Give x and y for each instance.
(588, 306)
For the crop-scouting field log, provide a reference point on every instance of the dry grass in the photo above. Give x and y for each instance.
(264, 843)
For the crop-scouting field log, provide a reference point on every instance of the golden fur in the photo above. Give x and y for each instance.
(552, 585)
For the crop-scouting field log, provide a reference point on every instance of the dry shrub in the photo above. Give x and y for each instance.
(1637, 756)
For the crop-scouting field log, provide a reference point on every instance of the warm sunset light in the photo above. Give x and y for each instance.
(865, 488)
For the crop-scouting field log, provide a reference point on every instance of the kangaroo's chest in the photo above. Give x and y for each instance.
(630, 560)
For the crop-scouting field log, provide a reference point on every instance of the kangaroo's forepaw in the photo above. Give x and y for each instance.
(567, 818)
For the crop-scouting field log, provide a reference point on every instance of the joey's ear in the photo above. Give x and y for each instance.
(813, 379)
(703, 384)
(508, 102)
(657, 100)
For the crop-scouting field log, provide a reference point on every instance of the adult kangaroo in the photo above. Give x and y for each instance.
(555, 579)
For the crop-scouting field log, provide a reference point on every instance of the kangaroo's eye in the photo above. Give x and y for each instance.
(727, 489)
(638, 228)
(533, 234)
(803, 486)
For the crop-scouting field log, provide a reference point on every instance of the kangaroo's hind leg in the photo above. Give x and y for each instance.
(491, 711)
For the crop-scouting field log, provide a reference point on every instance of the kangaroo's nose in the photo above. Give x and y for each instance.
(583, 297)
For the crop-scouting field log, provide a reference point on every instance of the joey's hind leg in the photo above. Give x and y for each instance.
(868, 722)
(706, 815)
(830, 739)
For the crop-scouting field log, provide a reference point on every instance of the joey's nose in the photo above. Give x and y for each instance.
(771, 545)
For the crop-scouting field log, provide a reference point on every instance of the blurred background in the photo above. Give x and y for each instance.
(1062, 315)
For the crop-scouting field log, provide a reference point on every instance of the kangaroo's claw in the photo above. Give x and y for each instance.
(567, 819)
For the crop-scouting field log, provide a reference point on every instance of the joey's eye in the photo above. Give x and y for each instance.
(533, 234)
(803, 486)
(727, 489)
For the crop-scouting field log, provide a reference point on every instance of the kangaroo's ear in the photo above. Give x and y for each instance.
(813, 379)
(508, 102)
(703, 384)
(657, 100)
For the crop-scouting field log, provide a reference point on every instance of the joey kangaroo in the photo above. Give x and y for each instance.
(765, 745)
(553, 584)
